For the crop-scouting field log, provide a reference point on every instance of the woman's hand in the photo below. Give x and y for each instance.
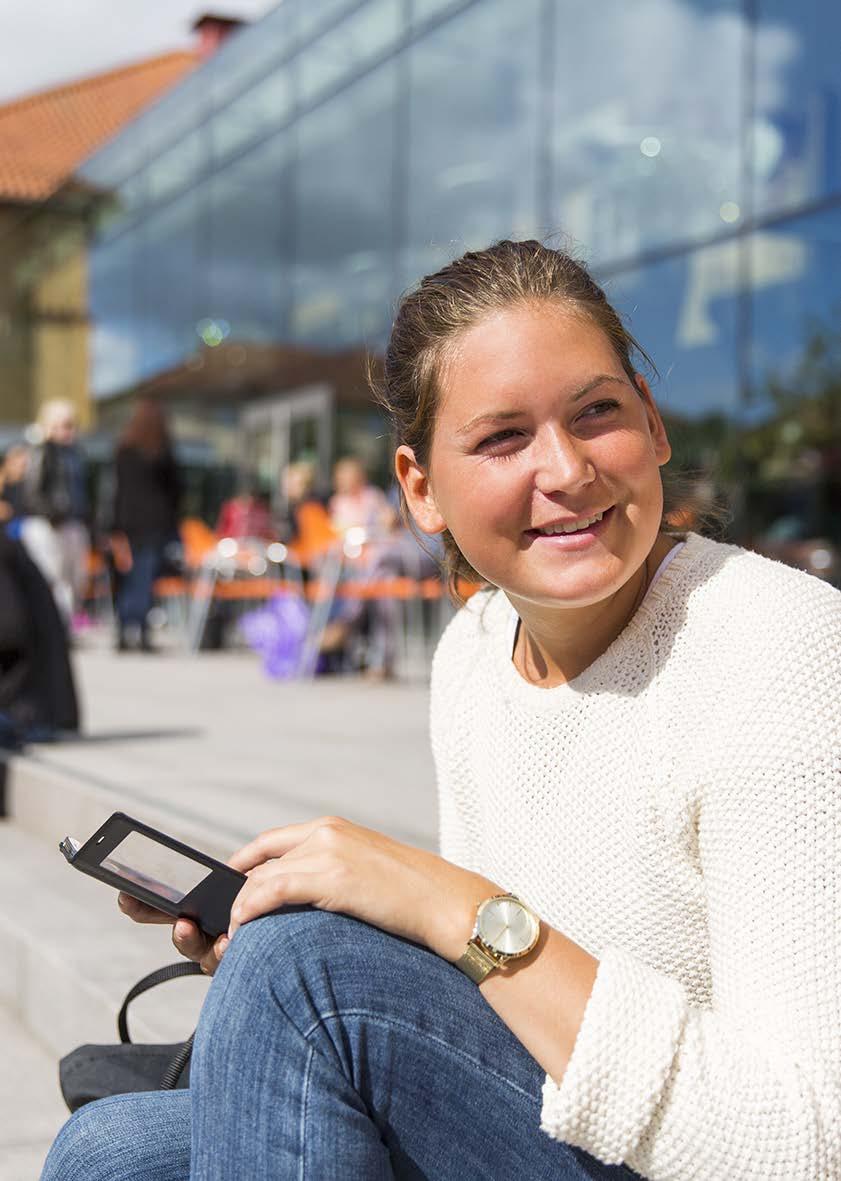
(335, 865)
(186, 936)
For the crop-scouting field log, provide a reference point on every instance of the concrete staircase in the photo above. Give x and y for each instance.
(69, 954)
(210, 752)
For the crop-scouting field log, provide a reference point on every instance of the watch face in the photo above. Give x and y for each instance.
(506, 926)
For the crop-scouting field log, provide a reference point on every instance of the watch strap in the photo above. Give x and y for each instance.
(476, 963)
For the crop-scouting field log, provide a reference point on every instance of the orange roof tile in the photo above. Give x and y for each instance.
(45, 136)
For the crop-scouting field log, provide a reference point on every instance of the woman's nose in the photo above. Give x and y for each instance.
(562, 464)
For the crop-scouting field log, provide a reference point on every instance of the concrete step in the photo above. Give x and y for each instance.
(50, 801)
(33, 1110)
(70, 956)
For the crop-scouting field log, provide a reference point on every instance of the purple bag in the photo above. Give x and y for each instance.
(277, 631)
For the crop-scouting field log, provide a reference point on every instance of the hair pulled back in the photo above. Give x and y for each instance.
(446, 304)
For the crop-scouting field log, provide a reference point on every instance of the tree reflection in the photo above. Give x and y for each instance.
(779, 475)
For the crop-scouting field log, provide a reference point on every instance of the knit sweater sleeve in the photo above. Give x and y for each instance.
(750, 1087)
(451, 666)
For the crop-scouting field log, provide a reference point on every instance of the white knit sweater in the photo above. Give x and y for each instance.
(676, 811)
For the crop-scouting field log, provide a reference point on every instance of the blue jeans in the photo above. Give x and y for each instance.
(329, 1051)
(134, 596)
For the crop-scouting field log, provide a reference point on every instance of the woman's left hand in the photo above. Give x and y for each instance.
(336, 865)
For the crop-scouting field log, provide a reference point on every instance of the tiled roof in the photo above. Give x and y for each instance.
(45, 136)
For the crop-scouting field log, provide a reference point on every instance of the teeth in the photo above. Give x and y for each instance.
(551, 530)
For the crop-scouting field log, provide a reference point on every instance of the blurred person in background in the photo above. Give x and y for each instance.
(54, 504)
(306, 527)
(145, 518)
(12, 472)
(355, 503)
(246, 515)
(37, 693)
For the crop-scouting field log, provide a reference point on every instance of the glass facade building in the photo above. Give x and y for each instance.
(265, 215)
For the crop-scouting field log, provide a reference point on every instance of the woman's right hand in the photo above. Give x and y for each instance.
(186, 936)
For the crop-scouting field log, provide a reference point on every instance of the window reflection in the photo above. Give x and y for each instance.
(256, 113)
(246, 268)
(166, 277)
(114, 336)
(796, 130)
(175, 168)
(648, 154)
(343, 210)
(342, 50)
(246, 55)
(474, 97)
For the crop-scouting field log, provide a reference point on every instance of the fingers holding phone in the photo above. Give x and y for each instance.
(187, 939)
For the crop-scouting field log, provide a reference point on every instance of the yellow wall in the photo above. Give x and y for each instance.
(43, 313)
(60, 334)
(15, 338)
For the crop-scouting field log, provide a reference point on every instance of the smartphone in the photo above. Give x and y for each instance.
(159, 870)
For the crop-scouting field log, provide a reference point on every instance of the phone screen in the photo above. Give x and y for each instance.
(156, 867)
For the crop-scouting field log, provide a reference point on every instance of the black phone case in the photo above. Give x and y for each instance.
(208, 904)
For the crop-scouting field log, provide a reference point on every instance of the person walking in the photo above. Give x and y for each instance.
(55, 510)
(626, 959)
(145, 518)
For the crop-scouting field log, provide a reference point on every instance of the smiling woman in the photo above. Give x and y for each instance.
(616, 741)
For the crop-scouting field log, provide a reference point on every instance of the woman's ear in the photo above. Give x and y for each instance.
(662, 446)
(414, 480)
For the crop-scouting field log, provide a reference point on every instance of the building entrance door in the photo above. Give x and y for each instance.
(277, 431)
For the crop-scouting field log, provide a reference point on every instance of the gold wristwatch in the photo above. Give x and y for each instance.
(506, 929)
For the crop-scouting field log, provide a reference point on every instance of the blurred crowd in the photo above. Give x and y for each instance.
(135, 538)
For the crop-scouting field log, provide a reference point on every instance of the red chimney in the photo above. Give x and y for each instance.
(212, 31)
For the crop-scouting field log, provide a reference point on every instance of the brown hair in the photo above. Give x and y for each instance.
(456, 298)
(146, 429)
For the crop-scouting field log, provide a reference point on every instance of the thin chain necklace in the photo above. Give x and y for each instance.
(520, 641)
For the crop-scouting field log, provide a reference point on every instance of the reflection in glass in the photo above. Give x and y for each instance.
(343, 211)
(114, 345)
(246, 268)
(474, 98)
(344, 49)
(796, 132)
(256, 113)
(424, 10)
(249, 54)
(646, 155)
(167, 273)
(175, 168)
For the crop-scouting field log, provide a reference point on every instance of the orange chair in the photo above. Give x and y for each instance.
(315, 533)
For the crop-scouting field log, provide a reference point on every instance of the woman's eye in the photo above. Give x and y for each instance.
(498, 440)
(599, 408)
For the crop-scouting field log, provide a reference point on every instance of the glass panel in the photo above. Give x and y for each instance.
(179, 111)
(247, 276)
(314, 14)
(254, 114)
(177, 167)
(167, 277)
(797, 123)
(343, 50)
(424, 10)
(249, 53)
(473, 131)
(683, 312)
(114, 357)
(343, 214)
(646, 154)
(791, 445)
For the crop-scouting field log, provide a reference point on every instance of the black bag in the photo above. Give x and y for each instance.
(93, 1072)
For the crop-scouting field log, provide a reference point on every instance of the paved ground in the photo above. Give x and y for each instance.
(211, 736)
(208, 737)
